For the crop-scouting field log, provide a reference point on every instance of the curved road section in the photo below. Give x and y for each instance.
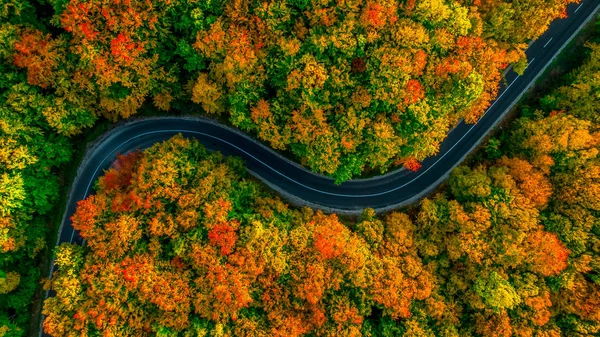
(304, 187)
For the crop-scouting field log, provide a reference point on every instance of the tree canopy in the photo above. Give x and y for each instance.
(345, 86)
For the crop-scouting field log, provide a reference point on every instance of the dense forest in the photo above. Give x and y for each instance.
(344, 86)
(30, 152)
(382, 92)
(181, 243)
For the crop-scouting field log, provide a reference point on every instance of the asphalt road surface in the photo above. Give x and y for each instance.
(381, 193)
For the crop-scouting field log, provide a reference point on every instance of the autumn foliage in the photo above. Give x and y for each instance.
(344, 86)
(510, 248)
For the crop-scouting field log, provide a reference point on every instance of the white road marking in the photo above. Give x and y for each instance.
(576, 9)
(548, 42)
(72, 234)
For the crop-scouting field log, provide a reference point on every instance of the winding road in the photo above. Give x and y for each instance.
(299, 185)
